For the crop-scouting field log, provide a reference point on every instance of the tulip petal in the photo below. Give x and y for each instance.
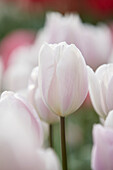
(35, 98)
(94, 90)
(109, 96)
(42, 109)
(72, 80)
(46, 67)
(109, 120)
(104, 74)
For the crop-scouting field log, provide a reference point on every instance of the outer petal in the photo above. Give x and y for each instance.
(42, 109)
(109, 120)
(35, 98)
(49, 57)
(103, 148)
(72, 80)
(109, 95)
(32, 86)
(46, 69)
(94, 90)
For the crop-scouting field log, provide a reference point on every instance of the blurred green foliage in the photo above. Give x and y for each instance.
(12, 18)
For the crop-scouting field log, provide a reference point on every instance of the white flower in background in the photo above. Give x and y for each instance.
(101, 89)
(21, 64)
(95, 42)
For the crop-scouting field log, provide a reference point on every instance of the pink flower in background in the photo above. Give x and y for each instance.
(12, 41)
(21, 137)
(102, 153)
(35, 98)
(63, 78)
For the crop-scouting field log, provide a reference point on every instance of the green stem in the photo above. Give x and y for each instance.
(51, 135)
(63, 143)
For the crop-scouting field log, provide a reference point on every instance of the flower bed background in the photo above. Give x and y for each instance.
(79, 125)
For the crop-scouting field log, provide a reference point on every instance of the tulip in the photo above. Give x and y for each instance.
(100, 89)
(63, 77)
(21, 137)
(72, 30)
(35, 98)
(102, 152)
(63, 82)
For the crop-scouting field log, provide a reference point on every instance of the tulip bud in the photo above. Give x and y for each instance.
(102, 153)
(35, 98)
(62, 77)
(101, 89)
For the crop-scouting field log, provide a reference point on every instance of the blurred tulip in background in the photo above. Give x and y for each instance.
(21, 137)
(95, 42)
(101, 89)
(102, 153)
(12, 41)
